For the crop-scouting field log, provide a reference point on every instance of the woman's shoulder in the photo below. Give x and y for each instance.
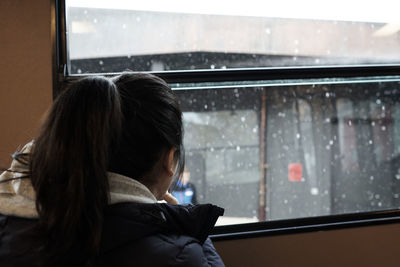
(16, 235)
(158, 235)
(162, 249)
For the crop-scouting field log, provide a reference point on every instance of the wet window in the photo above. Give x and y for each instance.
(264, 150)
(270, 153)
(112, 36)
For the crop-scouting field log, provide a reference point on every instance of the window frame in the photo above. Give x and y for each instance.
(61, 77)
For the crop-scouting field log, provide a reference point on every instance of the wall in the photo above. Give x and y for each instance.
(365, 246)
(25, 71)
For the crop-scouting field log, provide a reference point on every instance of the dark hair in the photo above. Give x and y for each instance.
(152, 125)
(97, 125)
(68, 168)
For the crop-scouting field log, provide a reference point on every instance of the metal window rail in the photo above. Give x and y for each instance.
(305, 225)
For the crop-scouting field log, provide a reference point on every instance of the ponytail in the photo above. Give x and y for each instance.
(69, 166)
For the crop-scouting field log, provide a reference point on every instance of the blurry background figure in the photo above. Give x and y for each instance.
(183, 190)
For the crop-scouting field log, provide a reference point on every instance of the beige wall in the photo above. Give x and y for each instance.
(26, 92)
(365, 246)
(25, 71)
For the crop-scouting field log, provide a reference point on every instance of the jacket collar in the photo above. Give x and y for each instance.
(127, 222)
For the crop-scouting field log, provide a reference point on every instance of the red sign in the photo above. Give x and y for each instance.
(295, 172)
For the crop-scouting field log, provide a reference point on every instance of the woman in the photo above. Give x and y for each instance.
(85, 191)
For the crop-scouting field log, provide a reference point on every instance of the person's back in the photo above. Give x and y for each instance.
(130, 238)
(167, 236)
(86, 190)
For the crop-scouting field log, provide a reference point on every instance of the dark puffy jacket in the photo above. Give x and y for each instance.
(137, 235)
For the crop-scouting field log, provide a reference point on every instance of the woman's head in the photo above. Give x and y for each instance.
(131, 125)
(151, 128)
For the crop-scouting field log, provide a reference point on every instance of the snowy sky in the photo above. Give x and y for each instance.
(349, 10)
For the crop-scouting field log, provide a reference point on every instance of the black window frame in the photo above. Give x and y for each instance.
(61, 77)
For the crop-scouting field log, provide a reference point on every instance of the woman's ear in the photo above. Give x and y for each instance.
(169, 163)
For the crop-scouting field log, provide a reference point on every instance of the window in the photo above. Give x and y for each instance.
(288, 113)
(155, 35)
(322, 149)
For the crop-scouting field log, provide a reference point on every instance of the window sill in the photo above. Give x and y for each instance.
(304, 225)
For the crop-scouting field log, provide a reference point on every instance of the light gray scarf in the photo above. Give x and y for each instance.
(17, 196)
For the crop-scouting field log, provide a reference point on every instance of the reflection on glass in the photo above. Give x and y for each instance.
(159, 37)
(329, 149)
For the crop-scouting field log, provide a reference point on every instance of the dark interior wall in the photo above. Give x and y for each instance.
(25, 71)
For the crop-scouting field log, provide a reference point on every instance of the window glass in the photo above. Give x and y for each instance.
(321, 149)
(264, 151)
(158, 35)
